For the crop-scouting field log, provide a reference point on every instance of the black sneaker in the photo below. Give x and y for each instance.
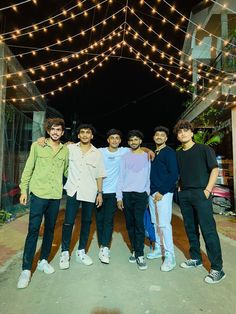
(190, 263)
(215, 276)
(132, 258)
(141, 263)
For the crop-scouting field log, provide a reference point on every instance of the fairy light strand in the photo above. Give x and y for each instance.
(70, 56)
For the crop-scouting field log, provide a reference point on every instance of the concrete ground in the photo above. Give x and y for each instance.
(117, 288)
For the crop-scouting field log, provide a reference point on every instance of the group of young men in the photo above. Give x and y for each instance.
(127, 178)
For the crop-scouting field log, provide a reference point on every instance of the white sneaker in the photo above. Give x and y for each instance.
(45, 267)
(24, 279)
(83, 258)
(64, 260)
(104, 255)
(156, 253)
(169, 262)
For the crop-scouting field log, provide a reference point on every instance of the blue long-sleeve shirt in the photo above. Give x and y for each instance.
(164, 171)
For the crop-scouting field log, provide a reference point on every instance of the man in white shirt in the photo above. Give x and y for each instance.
(105, 214)
(84, 186)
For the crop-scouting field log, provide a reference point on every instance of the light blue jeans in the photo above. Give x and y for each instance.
(161, 214)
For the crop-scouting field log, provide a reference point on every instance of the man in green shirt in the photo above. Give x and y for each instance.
(43, 179)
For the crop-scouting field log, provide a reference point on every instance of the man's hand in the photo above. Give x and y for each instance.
(120, 205)
(207, 193)
(151, 155)
(158, 197)
(99, 200)
(23, 199)
(41, 141)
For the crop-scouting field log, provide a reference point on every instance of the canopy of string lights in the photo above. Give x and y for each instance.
(137, 44)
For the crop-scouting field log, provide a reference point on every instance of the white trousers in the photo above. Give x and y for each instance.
(161, 214)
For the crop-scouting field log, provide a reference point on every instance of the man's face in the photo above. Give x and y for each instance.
(55, 132)
(114, 140)
(134, 142)
(160, 138)
(184, 135)
(85, 135)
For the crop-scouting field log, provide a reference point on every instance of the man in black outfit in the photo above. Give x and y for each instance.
(198, 173)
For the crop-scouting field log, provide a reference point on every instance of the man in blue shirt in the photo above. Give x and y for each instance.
(164, 175)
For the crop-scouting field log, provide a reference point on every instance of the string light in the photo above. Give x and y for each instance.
(167, 79)
(65, 40)
(65, 60)
(56, 62)
(199, 27)
(73, 82)
(51, 22)
(14, 6)
(171, 45)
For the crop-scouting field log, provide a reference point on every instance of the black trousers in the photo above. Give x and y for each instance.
(72, 206)
(134, 207)
(197, 211)
(105, 219)
(40, 207)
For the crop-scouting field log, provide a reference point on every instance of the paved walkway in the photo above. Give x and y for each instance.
(118, 288)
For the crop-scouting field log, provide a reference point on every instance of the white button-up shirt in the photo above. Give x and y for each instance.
(84, 169)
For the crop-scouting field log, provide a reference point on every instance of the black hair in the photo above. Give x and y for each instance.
(114, 132)
(86, 126)
(161, 128)
(54, 121)
(183, 124)
(136, 133)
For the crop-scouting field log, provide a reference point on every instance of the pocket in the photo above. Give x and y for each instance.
(60, 161)
(92, 165)
(204, 196)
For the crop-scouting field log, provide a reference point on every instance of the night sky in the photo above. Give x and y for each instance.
(123, 93)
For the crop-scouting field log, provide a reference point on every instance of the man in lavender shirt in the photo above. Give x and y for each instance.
(132, 192)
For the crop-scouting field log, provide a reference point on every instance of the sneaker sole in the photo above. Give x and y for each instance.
(187, 267)
(142, 268)
(149, 257)
(64, 268)
(78, 260)
(104, 262)
(165, 270)
(132, 262)
(215, 282)
(24, 286)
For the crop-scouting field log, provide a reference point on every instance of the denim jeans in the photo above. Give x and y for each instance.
(105, 219)
(161, 214)
(72, 205)
(134, 207)
(197, 211)
(40, 207)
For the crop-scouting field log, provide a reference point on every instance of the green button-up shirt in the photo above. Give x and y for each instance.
(44, 170)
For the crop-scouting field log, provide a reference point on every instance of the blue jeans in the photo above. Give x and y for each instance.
(40, 207)
(134, 207)
(161, 215)
(105, 219)
(72, 206)
(197, 211)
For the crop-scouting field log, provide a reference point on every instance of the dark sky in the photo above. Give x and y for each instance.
(123, 93)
